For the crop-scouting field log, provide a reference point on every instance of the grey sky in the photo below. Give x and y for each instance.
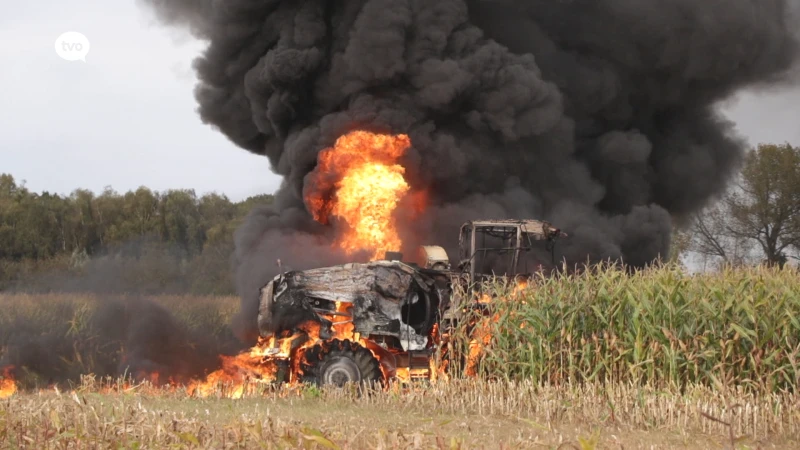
(127, 117)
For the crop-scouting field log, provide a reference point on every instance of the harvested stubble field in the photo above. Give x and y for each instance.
(457, 414)
(658, 359)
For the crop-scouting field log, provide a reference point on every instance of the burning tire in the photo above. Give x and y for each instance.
(340, 362)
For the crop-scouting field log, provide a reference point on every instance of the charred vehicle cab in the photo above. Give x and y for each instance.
(369, 321)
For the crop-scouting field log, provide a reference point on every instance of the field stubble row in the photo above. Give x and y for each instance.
(456, 414)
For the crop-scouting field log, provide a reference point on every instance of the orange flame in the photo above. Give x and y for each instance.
(520, 286)
(8, 386)
(343, 326)
(359, 181)
(262, 364)
(482, 331)
(258, 366)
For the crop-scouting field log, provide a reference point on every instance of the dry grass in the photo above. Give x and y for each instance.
(457, 414)
(47, 310)
(72, 312)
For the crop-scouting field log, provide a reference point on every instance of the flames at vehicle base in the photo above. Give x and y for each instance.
(382, 311)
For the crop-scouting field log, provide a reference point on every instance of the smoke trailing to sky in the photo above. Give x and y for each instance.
(597, 115)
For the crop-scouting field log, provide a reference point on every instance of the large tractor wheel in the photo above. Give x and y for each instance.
(340, 362)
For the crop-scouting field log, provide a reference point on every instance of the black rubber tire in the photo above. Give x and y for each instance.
(338, 362)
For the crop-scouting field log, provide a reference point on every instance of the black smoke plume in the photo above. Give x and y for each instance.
(109, 337)
(597, 115)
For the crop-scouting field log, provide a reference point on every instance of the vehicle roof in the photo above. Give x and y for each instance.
(527, 225)
(435, 252)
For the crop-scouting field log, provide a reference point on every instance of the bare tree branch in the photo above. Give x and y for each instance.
(760, 210)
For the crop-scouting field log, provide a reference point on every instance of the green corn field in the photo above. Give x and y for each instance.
(659, 327)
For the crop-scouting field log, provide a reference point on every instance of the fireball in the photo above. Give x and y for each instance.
(360, 182)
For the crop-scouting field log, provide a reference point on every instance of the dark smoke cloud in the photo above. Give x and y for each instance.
(116, 330)
(598, 115)
(131, 336)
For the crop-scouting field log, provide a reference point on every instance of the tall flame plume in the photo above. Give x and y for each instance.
(360, 181)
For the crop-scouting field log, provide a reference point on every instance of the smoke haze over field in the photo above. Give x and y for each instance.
(108, 336)
(597, 115)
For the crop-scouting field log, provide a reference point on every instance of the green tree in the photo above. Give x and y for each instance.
(85, 232)
(150, 241)
(8, 216)
(759, 217)
(180, 220)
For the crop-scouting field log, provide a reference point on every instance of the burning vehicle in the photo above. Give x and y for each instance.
(370, 322)
(386, 318)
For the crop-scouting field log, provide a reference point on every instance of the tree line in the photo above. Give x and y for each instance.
(175, 241)
(115, 241)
